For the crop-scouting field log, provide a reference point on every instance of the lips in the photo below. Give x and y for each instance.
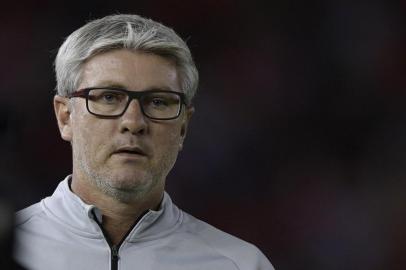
(131, 150)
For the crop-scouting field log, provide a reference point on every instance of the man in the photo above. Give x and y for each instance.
(125, 86)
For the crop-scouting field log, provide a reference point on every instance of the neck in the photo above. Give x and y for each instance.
(118, 216)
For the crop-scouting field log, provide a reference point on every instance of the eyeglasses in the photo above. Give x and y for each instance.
(113, 102)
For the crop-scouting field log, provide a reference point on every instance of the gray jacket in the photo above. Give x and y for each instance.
(62, 232)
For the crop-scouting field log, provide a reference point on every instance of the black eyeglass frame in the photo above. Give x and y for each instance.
(84, 93)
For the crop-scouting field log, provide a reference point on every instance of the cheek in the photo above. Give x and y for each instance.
(172, 137)
(167, 142)
(80, 144)
(90, 138)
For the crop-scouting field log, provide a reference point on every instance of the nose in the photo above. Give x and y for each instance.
(133, 120)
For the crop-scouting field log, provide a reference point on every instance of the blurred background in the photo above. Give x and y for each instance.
(298, 143)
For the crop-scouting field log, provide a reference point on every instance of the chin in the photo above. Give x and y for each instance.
(131, 183)
(125, 184)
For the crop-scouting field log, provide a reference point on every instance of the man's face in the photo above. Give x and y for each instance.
(106, 150)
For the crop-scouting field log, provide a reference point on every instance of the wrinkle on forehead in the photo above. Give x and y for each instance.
(130, 70)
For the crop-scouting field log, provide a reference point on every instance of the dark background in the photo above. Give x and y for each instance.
(298, 143)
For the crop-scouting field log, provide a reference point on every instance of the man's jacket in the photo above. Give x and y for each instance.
(62, 232)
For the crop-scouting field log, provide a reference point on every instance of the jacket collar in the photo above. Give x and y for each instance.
(67, 209)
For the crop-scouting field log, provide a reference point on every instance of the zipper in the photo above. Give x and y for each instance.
(114, 257)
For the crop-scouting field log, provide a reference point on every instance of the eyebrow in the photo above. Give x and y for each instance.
(112, 84)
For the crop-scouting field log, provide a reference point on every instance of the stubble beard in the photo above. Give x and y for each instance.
(107, 183)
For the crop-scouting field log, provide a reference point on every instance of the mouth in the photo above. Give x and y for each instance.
(130, 151)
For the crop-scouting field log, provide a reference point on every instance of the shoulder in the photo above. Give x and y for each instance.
(25, 215)
(243, 254)
(40, 211)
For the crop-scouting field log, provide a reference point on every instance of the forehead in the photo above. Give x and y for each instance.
(132, 70)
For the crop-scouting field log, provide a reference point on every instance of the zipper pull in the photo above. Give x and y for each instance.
(114, 253)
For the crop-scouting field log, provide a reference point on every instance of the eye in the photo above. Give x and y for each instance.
(159, 102)
(109, 97)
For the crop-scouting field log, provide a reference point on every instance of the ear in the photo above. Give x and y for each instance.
(189, 112)
(63, 117)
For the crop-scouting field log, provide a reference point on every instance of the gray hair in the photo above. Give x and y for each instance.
(122, 31)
